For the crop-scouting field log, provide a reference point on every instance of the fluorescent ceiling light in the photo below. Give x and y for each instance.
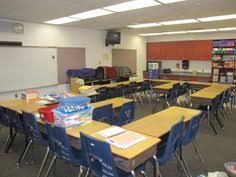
(150, 34)
(216, 18)
(227, 29)
(202, 31)
(62, 20)
(176, 22)
(131, 5)
(170, 1)
(175, 32)
(144, 25)
(91, 14)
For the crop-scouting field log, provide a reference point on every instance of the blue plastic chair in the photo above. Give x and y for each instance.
(103, 93)
(61, 148)
(103, 114)
(16, 126)
(126, 114)
(191, 133)
(35, 136)
(173, 145)
(173, 95)
(119, 90)
(98, 156)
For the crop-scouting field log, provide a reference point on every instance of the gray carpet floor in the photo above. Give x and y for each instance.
(216, 150)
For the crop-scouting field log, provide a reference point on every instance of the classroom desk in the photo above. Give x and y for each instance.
(112, 85)
(159, 124)
(164, 88)
(116, 102)
(130, 158)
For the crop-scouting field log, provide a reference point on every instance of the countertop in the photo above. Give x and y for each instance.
(176, 73)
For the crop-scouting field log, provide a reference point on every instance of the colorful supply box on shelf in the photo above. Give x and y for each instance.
(73, 111)
(30, 95)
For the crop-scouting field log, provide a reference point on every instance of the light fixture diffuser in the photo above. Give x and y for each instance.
(177, 22)
(227, 29)
(131, 5)
(202, 31)
(62, 20)
(174, 32)
(217, 18)
(92, 14)
(144, 25)
(150, 34)
(170, 1)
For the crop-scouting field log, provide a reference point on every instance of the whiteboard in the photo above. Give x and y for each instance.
(27, 67)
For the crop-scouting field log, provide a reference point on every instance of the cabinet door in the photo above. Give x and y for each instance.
(168, 50)
(153, 51)
(203, 50)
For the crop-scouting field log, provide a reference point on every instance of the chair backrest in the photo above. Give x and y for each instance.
(183, 89)
(127, 112)
(132, 87)
(98, 156)
(32, 128)
(173, 142)
(103, 113)
(174, 91)
(215, 103)
(119, 90)
(59, 143)
(16, 121)
(192, 130)
(4, 116)
(103, 92)
(146, 84)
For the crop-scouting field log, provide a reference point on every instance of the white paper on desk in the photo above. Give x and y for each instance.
(126, 139)
(43, 102)
(111, 131)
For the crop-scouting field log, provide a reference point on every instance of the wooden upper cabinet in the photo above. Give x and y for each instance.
(184, 50)
(153, 51)
(168, 50)
(180, 50)
(203, 50)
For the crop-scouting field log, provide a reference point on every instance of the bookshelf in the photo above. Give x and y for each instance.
(223, 61)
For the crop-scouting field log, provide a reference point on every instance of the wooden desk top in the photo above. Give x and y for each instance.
(133, 151)
(211, 92)
(116, 102)
(20, 104)
(118, 83)
(90, 128)
(159, 124)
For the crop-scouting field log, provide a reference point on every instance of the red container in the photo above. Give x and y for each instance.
(46, 113)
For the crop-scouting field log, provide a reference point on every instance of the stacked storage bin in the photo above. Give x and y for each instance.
(73, 111)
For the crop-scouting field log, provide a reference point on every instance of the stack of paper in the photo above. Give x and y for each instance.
(111, 131)
(126, 139)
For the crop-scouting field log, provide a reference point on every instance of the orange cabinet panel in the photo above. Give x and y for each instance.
(153, 51)
(203, 50)
(185, 50)
(168, 50)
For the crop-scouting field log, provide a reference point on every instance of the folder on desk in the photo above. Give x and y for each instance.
(126, 139)
(111, 131)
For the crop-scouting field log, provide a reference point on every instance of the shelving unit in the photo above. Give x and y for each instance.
(223, 61)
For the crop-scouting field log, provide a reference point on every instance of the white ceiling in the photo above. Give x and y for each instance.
(44, 10)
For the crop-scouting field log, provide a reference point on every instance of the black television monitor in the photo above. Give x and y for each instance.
(112, 38)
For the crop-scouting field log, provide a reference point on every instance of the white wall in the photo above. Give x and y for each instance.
(199, 66)
(61, 36)
(135, 42)
(194, 65)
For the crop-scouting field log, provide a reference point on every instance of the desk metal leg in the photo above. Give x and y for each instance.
(208, 118)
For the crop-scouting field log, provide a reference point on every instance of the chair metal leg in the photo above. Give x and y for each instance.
(10, 143)
(181, 164)
(87, 172)
(157, 172)
(186, 166)
(197, 150)
(80, 171)
(213, 127)
(133, 173)
(219, 120)
(44, 162)
(50, 166)
(6, 143)
(143, 173)
(22, 157)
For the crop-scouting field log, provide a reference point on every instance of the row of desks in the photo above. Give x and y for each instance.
(153, 127)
